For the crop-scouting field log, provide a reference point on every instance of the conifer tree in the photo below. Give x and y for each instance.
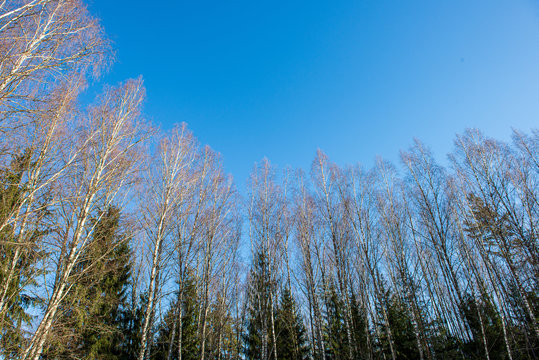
(90, 323)
(224, 334)
(187, 331)
(291, 333)
(444, 344)
(401, 327)
(526, 342)
(17, 276)
(337, 345)
(113, 273)
(130, 325)
(485, 325)
(190, 339)
(257, 342)
(360, 335)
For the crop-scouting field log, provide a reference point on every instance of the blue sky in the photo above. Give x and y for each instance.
(357, 79)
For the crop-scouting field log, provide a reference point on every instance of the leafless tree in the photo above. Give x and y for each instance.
(167, 182)
(106, 148)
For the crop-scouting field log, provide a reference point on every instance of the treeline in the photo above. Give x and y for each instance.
(121, 241)
(421, 262)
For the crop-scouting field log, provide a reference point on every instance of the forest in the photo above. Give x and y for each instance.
(119, 240)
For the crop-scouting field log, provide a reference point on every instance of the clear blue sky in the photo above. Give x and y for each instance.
(354, 78)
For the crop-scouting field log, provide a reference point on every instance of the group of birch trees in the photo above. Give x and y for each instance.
(121, 241)
(105, 222)
(418, 261)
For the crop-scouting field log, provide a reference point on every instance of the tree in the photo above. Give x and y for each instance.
(111, 256)
(291, 333)
(167, 181)
(257, 343)
(526, 343)
(360, 330)
(268, 232)
(485, 324)
(336, 337)
(17, 275)
(130, 325)
(91, 314)
(42, 42)
(305, 230)
(332, 214)
(187, 335)
(401, 327)
(110, 137)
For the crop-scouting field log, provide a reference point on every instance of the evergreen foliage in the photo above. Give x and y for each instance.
(19, 254)
(336, 337)
(360, 330)
(92, 317)
(399, 328)
(258, 323)
(130, 325)
(485, 326)
(291, 334)
(175, 326)
(526, 341)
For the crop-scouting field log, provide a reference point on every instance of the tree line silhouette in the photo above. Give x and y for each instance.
(121, 241)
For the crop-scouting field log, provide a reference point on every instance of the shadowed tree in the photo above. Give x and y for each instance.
(291, 333)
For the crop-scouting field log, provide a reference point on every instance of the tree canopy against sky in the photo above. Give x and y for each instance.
(354, 78)
(121, 240)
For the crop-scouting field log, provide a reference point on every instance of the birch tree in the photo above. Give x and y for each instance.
(106, 145)
(167, 183)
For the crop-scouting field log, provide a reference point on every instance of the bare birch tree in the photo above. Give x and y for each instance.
(107, 147)
(167, 182)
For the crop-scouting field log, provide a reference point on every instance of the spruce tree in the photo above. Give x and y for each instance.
(257, 339)
(360, 335)
(165, 335)
(223, 333)
(485, 324)
(443, 344)
(526, 342)
(170, 330)
(130, 326)
(291, 333)
(336, 339)
(90, 325)
(111, 254)
(17, 275)
(400, 325)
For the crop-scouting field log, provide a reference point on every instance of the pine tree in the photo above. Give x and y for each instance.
(291, 333)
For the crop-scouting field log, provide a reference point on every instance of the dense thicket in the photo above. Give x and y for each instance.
(119, 241)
